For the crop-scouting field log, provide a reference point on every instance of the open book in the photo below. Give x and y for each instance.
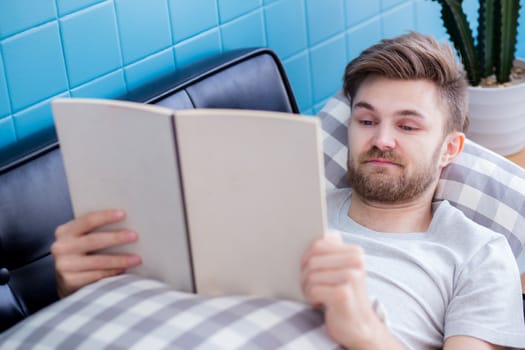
(224, 201)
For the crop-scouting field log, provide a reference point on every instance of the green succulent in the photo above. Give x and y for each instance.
(493, 52)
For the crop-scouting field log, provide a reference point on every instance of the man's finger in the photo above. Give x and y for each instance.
(334, 236)
(320, 246)
(349, 257)
(92, 242)
(318, 296)
(88, 223)
(81, 264)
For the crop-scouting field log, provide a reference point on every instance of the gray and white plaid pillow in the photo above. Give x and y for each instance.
(130, 312)
(488, 188)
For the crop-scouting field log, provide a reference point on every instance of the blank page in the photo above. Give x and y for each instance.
(122, 155)
(253, 187)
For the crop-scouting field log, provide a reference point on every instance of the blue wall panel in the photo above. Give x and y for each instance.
(5, 107)
(189, 18)
(399, 20)
(151, 67)
(108, 86)
(245, 31)
(35, 118)
(7, 132)
(144, 28)
(104, 48)
(356, 13)
(229, 9)
(66, 7)
(19, 15)
(328, 63)
(286, 27)
(362, 36)
(428, 19)
(34, 65)
(324, 19)
(200, 46)
(91, 44)
(299, 73)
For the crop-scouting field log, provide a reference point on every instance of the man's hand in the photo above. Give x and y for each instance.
(76, 263)
(334, 276)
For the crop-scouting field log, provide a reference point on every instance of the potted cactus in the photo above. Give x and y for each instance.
(496, 77)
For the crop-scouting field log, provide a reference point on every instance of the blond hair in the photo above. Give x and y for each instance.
(415, 56)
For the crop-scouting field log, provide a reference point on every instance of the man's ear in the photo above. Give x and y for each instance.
(452, 147)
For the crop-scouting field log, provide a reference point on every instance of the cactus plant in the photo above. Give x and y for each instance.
(493, 53)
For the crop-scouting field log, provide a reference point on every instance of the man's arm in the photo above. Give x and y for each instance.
(333, 276)
(76, 262)
(461, 342)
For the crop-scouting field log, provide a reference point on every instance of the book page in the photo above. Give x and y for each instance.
(254, 193)
(122, 155)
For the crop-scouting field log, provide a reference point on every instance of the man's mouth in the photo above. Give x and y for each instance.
(381, 162)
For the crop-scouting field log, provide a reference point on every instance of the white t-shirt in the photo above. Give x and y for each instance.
(458, 278)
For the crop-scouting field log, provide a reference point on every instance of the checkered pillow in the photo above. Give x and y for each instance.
(488, 188)
(130, 312)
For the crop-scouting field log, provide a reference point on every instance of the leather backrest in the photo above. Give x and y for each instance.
(34, 198)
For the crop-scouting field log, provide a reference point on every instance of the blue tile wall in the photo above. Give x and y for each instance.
(229, 9)
(362, 36)
(386, 4)
(286, 27)
(189, 18)
(16, 16)
(299, 73)
(104, 48)
(245, 31)
(68, 6)
(5, 108)
(144, 30)
(328, 63)
(34, 65)
(324, 19)
(111, 85)
(91, 44)
(398, 20)
(7, 132)
(152, 67)
(200, 46)
(356, 13)
(37, 116)
(428, 19)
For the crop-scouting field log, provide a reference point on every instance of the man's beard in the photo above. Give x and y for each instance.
(379, 185)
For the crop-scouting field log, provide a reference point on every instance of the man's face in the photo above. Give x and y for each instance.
(396, 139)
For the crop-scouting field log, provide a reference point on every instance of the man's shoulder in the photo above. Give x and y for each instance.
(451, 224)
(448, 214)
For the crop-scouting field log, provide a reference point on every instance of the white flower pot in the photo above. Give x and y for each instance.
(498, 117)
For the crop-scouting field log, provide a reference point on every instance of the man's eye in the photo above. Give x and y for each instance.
(366, 122)
(407, 128)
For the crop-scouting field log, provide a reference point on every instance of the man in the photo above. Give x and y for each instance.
(442, 280)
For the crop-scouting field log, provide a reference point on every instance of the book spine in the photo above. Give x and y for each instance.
(184, 206)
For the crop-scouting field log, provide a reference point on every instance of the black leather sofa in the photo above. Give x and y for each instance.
(34, 198)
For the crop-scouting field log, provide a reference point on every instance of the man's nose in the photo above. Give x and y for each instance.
(384, 138)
